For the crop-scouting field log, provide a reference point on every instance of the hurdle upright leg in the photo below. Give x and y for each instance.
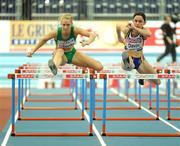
(157, 101)
(169, 102)
(150, 95)
(12, 77)
(104, 107)
(19, 98)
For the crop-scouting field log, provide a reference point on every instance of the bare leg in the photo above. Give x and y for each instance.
(59, 58)
(80, 59)
(146, 68)
(122, 65)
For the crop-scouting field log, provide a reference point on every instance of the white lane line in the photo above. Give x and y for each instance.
(93, 126)
(145, 109)
(8, 133)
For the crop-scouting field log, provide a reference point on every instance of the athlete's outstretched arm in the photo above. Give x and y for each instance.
(86, 33)
(145, 32)
(118, 31)
(124, 30)
(42, 42)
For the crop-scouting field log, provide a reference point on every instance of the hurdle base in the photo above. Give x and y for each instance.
(109, 100)
(90, 134)
(168, 118)
(165, 108)
(128, 119)
(48, 100)
(103, 134)
(143, 134)
(117, 108)
(13, 134)
(49, 94)
(157, 118)
(173, 119)
(49, 108)
(50, 119)
(63, 134)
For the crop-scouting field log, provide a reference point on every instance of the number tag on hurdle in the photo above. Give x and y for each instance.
(79, 71)
(71, 76)
(117, 76)
(166, 76)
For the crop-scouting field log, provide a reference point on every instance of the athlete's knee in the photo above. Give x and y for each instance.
(99, 66)
(58, 62)
(128, 63)
(128, 66)
(158, 82)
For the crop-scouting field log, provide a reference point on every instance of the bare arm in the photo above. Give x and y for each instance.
(42, 42)
(118, 31)
(124, 30)
(86, 33)
(145, 32)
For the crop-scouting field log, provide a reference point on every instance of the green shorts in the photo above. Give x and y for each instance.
(70, 55)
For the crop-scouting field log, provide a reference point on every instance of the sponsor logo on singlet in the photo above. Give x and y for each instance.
(134, 43)
(66, 44)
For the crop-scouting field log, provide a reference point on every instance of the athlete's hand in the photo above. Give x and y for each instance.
(84, 43)
(131, 25)
(122, 40)
(29, 52)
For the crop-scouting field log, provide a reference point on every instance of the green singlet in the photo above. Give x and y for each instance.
(60, 43)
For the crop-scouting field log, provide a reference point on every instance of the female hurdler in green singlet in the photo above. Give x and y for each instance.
(65, 38)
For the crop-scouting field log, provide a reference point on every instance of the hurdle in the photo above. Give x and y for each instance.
(169, 100)
(92, 94)
(34, 76)
(37, 68)
(21, 86)
(174, 69)
(123, 76)
(29, 68)
(99, 76)
(48, 108)
(140, 134)
(150, 100)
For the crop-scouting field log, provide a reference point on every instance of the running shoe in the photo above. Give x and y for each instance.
(141, 81)
(52, 67)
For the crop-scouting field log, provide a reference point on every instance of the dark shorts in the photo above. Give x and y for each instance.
(70, 55)
(137, 62)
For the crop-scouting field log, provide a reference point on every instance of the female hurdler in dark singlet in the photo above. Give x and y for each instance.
(134, 36)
